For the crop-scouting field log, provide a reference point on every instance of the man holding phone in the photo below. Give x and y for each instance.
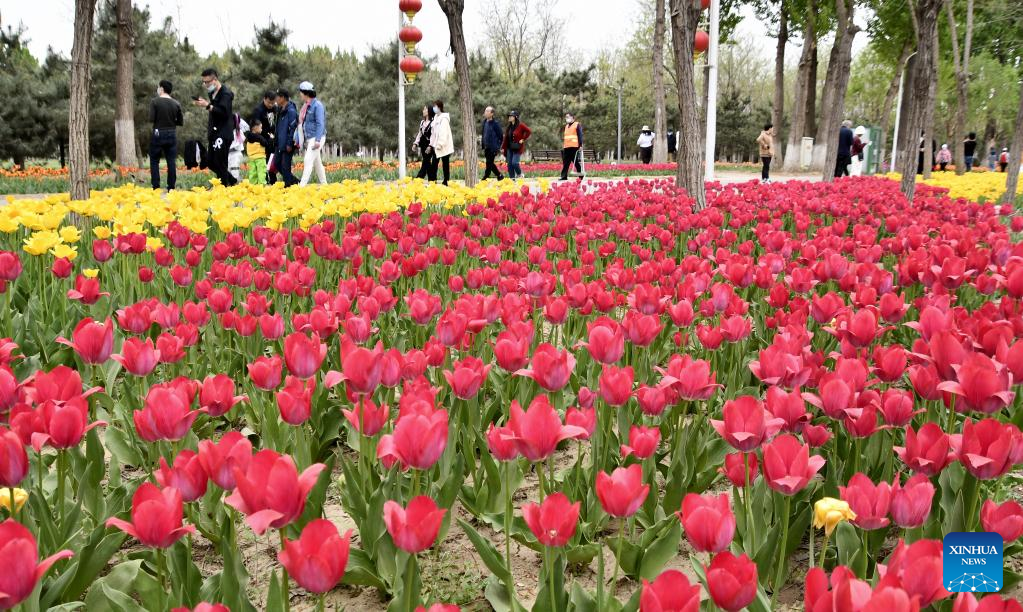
(220, 125)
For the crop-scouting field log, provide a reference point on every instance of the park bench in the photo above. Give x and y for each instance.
(549, 155)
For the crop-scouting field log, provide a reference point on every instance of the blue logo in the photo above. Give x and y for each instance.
(972, 562)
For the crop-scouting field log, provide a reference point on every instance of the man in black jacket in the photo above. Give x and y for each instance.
(845, 142)
(493, 137)
(165, 114)
(219, 129)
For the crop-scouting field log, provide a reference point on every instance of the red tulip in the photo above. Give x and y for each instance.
(988, 449)
(622, 492)
(137, 357)
(691, 379)
(1005, 519)
(641, 329)
(217, 395)
(318, 558)
(63, 424)
(94, 342)
(203, 607)
(156, 517)
(269, 490)
(746, 424)
(789, 407)
(501, 442)
(511, 351)
(361, 369)
(220, 460)
(551, 367)
(303, 354)
(966, 602)
(167, 413)
(708, 521)
(652, 400)
(295, 400)
(265, 372)
(788, 465)
(62, 268)
(616, 384)
(553, 522)
(538, 430)
(924, 379)
(736, 467)
(916, 569)
(889, 362)
(8, 388)
(870, 502)
(20, 553)
(606, 340)
(670, 592)
(13, 459)
(846, 592)
(583, 418)
(927, 451)
(86, 289)
(418, 440)
(451, 328)
(10, 265)
(982, 384)
(187, 476)
(732, 581)
(897, 407)
(466, 377)
(857, 329)
(415, 528)
(911, 504)
(437, 607)
(366, 417)
(642, 442)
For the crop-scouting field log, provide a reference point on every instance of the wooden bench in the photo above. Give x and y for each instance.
(549, 155)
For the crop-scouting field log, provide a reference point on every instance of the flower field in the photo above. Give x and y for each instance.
(977, 186)
(373, 396)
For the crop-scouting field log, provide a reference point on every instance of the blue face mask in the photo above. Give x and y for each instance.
(436, 110)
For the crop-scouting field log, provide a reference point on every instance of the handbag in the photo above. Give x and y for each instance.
(515, 146)
(271, 164)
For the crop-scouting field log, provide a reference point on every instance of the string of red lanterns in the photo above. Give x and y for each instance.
(411, 65)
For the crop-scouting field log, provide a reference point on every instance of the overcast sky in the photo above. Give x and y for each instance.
(213, 25)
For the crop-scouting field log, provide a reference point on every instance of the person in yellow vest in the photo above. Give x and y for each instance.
(572, 147)
(256, 144)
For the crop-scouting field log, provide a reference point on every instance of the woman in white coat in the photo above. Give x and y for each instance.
(442, 145)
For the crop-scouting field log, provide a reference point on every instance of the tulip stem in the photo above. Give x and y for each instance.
(60, 487)
(549, 563)
(409, 580)
(750, 524)
(285, 590)
(540, 475)
(161, 574)
(782, 545)
(12, 505)
(812, 530)
(321, 605)
(618, 559)
(507, 528)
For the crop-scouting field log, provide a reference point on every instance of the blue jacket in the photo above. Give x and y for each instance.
(493, 135)
(315, 125)
(287, 123)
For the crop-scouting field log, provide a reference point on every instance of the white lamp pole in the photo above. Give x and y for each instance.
(712, 90)
(401, 104)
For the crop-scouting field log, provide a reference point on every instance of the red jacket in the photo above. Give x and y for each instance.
(521, 132)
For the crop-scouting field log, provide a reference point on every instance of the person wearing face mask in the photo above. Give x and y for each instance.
(284, 143)
(313, 132)
(165, 113)
(493, 138)
(573, 143)
(514, 143)
(220, 125)
(441, 142)
(422, 144)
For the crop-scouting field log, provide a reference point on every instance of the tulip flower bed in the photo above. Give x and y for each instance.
(389, 397)
(978, 186)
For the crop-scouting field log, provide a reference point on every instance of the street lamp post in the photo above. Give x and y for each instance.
(621, 85)
(712, 90)
(402, 167)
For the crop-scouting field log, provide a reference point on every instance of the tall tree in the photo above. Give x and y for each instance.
(825, 152)
(523, 35)
(78, 114)
(919, 105)
(453, 11)
(889, 103)
(660, 112)
(778, 108)
(685, 15)
(1015, 153)
(805, 75)
(124, 119)
(962, 72)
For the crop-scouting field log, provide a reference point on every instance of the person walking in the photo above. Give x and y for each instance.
(646, 144)
(765, 141)
(220, 124)
(422, 144)
(516, 134)
(312, 121)
(284, 143)
(992, 157)
(572, 145)
(1003, 160)
(266, 113)
(970, 150)
(256, 145)
(165, 114)
(493, 138)
(672, 142)
(944, 157)
(845, 142)
(442, 143)
(856, 152)
(237, 150)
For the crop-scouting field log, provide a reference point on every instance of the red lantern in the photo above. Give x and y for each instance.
(704, 4)
(410, 7)
(411, 66)
(410, 35)
(702, 42)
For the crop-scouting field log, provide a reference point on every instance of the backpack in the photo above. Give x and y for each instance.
(195, 155)
(1003, 158)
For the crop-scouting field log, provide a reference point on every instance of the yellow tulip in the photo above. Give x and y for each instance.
(90, 272)
(63, 251)
(101, 231)
(828, 512)
(70, 234)
(20, 497)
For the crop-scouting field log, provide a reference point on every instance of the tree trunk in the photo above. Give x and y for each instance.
(78, 108)
(660, 112)
(778, 110)
(962, 72)
(889, 102)
(919, 77)
(453, 10)
(124, 117)
(1015, 151)
(685, 15)
(825, 150)
(932, 93)
(810, 128)
(799, 105)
